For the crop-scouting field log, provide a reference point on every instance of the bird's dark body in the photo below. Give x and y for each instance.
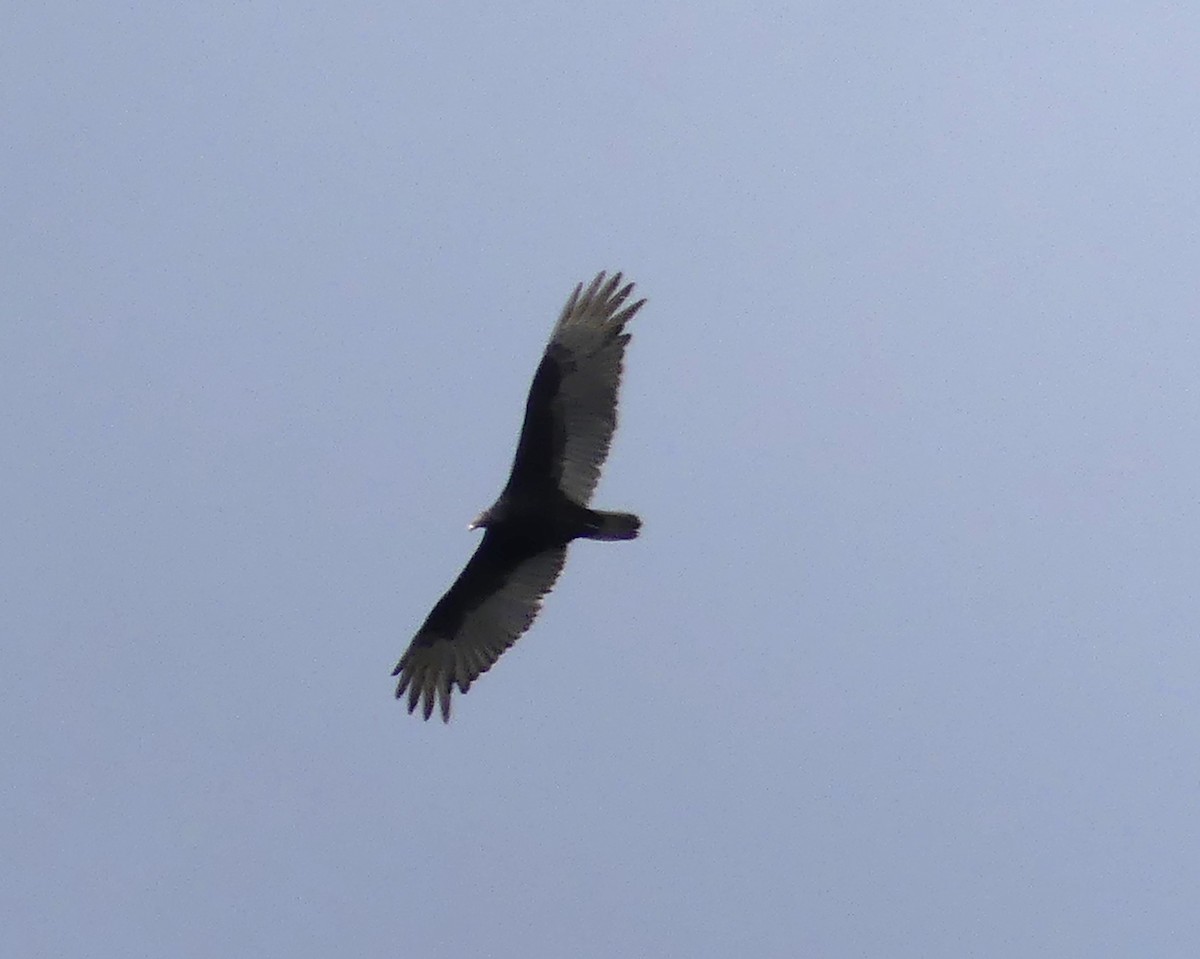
(570, 416)
(527, 530)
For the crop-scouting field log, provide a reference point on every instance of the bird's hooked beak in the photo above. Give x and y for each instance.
(480, 521)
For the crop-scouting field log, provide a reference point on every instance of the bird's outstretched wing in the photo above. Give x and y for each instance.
(493, 601)
(571, 411)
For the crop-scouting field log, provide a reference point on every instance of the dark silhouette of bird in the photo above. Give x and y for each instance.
(570, 417)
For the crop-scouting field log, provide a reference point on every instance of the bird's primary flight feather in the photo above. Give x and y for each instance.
(570, 417)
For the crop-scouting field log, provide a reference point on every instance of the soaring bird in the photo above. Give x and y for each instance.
(570, 417)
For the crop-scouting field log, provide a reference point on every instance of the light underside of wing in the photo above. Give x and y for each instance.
(589, 343)
(436, 662)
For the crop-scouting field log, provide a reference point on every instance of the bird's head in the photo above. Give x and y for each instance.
(497, 513)
(484, 519)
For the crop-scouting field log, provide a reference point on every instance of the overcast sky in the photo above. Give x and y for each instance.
(905, 663)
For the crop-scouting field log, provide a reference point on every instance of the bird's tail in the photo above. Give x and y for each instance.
(613, 525)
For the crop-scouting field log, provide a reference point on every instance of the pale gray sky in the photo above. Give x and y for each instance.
(905, 663)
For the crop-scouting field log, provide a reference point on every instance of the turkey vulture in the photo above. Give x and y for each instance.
(569, 421)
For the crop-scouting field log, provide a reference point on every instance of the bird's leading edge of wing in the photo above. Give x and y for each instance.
(493, 601)
(571, 412)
